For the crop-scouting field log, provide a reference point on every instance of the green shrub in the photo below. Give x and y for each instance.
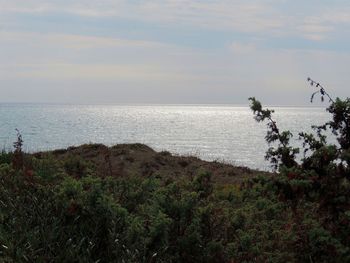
(322, 178)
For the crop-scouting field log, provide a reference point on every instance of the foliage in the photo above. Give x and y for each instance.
(52, 216)
(284, 152)
(322, 177)
(17, 153)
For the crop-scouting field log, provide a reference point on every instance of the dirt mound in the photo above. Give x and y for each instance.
(139, 159)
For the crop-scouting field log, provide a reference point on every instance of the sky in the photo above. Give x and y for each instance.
(172, 51)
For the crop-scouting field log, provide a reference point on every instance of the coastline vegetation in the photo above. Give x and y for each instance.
(128, 203)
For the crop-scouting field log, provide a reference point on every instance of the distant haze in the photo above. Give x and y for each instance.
(168, 51)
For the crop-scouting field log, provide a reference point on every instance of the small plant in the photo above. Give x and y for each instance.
(107, 157)
(320, 153)
(321, 90)
(18, 158)
(76, 166)
(284, 153)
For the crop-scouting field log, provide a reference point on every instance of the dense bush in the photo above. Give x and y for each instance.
(49, 216)
(322, 177)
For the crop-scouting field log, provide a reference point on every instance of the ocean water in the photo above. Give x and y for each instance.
(222, 133)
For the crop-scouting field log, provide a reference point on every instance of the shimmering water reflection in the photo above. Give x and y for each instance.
(221, 133)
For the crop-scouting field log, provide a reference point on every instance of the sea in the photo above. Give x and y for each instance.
(221, 133)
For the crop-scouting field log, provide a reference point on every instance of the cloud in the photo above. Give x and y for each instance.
(322, 24)
(168, 74)
(200, 50)
(242, 48)
(229, 14)
(87, 42)
(271, 18)
(67, 57)
(315, 30)
(52, 41)
(101, 72)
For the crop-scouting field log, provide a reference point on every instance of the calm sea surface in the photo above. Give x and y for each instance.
(222, 133)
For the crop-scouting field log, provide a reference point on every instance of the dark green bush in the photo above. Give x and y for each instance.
(54, 217)
(321, 178)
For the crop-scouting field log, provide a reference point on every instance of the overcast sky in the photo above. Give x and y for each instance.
(172, 51)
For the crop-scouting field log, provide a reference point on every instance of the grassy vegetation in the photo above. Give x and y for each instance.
(59, 208)
(130, 204)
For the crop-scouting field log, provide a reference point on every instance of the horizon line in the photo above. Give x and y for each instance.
(161, 104)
